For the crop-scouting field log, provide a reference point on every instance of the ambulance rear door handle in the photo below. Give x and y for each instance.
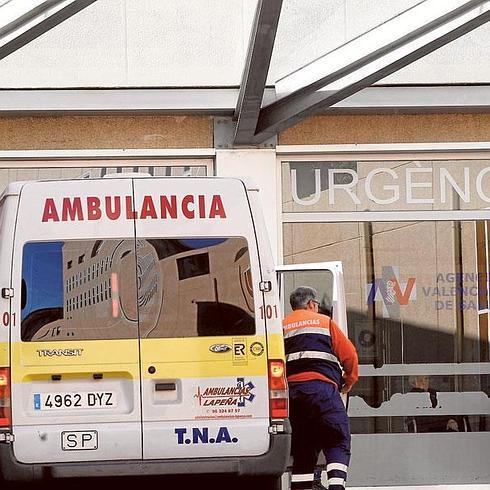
(165, 387)
(7, 293)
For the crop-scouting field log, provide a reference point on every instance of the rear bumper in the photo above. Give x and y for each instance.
(273, 463)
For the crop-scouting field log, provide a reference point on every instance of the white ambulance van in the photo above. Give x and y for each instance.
(141, 331)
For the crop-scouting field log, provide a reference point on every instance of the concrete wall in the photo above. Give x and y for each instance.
(96, 132)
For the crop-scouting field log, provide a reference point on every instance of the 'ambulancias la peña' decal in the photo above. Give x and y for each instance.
(223, 401)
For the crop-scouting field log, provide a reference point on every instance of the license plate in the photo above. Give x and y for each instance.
(79, 440)
(75, 400)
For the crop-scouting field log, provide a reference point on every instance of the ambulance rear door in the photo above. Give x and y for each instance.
(74, 349)
(203, 345)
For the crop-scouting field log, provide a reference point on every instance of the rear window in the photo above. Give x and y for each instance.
(321, 280)
(152, 288)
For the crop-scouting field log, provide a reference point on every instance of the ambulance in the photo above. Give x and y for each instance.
(141, 330)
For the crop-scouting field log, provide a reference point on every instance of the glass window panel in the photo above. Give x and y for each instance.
(412, 305)
(195, 287)
(321, 280)
(404, 290)
(58, 305)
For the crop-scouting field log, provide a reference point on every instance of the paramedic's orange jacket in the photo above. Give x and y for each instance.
(316, 349)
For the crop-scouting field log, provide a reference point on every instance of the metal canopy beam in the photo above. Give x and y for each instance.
(21, 21)
(378, 99)
(367, 59)
(256, 68)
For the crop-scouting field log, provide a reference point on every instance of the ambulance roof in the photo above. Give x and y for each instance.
(14, 188)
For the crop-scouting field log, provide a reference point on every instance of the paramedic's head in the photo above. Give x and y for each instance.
(304, 298)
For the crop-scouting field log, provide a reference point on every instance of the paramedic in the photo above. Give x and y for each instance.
(321, 363)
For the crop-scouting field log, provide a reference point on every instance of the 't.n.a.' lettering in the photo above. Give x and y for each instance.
(122, 207)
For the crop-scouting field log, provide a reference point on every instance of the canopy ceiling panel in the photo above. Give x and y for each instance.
(203, 43)
(138, 43)
(21, 21)
(367, 59)
(305, 34)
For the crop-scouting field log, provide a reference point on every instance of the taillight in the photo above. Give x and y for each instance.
(4, 397)
(278, 390)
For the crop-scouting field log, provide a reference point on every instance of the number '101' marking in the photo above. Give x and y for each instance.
(270, 312)
(8, 319)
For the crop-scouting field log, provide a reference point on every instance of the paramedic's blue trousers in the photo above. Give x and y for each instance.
(319, 423)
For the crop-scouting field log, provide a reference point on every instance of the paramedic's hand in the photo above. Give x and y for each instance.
(345, 389)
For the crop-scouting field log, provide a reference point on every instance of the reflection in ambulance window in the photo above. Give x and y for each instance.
(69, 292)
(195, 287)
(160, 288)
(193, 266)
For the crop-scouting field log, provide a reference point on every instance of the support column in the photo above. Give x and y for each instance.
(261, 167)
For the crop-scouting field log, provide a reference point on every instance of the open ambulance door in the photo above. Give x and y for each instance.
(327, 278)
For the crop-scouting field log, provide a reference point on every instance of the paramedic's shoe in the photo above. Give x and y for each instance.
(317, 485)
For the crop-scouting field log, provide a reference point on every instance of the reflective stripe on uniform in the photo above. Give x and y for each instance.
(336, 466)
(301, 331)
(336, 481)
(312, 354)
(302, 477)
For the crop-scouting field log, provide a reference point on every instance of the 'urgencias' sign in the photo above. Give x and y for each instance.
(400, 185)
